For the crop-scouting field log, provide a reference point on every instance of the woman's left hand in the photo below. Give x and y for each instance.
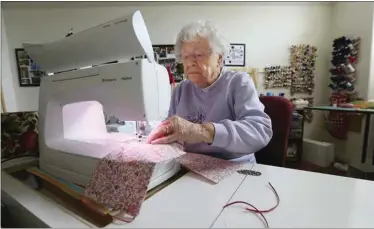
(178, 129)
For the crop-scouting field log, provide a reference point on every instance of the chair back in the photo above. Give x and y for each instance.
(280, 112)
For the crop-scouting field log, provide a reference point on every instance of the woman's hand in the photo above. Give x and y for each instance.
(178, 129)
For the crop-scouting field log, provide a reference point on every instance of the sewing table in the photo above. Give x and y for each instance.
(306, 200)
(366, 112)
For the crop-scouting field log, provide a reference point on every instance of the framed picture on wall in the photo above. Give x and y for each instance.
(164, 52)
(29, 73)
(235, 56)
(165, 55)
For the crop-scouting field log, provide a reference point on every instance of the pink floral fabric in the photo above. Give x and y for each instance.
(121, 179)
(213, 169)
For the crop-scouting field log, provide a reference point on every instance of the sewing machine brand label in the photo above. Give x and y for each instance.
(114, 79)
(126, 78)
(108, 80)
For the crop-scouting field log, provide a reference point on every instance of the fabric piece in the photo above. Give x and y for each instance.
(121, 179)
(213, 169)
(19, 135)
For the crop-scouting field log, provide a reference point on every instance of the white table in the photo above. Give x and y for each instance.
(306, 200)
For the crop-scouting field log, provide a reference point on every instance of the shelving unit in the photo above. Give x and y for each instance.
(296, 141)
(29, 73)
(164, 55)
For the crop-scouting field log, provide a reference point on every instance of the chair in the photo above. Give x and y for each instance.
(280, 112)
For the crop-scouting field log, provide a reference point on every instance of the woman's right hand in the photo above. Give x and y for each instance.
(177, 129)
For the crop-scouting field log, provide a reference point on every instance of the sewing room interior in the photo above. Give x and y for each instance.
(187, 114)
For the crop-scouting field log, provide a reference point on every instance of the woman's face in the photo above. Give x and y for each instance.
(201, 66)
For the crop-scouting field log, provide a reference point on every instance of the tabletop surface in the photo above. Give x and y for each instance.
(190, 202)
(306, 200)
(343, 109)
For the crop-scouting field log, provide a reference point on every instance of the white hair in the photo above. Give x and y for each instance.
(202, 29)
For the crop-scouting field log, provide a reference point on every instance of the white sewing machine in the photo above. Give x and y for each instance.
(73, 132)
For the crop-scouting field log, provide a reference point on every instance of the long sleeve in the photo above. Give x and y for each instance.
(174, 101)
(172, 108)
(252, 129)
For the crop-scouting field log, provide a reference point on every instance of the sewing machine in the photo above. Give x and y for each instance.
(73, 97)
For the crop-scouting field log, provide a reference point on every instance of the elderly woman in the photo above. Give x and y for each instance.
(216, 111)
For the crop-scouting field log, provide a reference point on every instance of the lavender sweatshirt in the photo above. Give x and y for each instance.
(231, 103)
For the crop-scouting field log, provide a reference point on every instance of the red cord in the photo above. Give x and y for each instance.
(254, 209)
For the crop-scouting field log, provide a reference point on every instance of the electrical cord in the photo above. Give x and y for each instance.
(255, 210)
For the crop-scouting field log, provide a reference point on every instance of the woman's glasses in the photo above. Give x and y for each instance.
(196, 56)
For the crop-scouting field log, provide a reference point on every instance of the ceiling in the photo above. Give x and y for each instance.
(81, 4)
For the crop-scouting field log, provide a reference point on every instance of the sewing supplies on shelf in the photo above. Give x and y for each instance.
(303, 61)
(298, 76)
(300, 104)
(308, 114)
(345, 55)
(344, 59)
(303, 58)
(278, 76)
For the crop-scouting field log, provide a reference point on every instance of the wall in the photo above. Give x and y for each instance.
(268, 29)
(9, 83)
(1, 90)
(355, 19)
(371, 83)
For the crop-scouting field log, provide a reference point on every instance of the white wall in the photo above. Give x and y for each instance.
(9, 84)
(371, 83)
(356, 19)
(1, 32)
(268, 29)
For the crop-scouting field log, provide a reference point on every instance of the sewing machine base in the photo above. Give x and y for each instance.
(161, 173)
(53, 192)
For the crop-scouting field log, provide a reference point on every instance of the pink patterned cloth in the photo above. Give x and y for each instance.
(213, 169)
(120, 182)
(121, 179)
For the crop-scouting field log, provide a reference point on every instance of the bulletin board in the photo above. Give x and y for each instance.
(235, 56)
